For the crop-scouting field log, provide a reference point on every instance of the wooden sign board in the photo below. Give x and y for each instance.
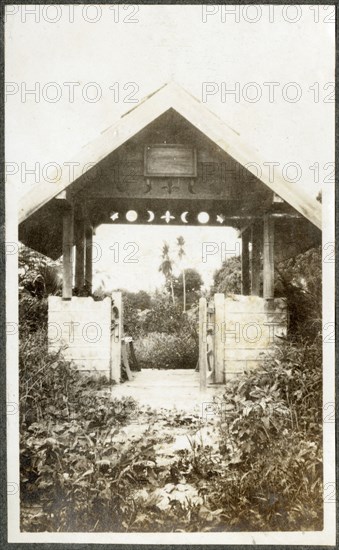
(167, 160)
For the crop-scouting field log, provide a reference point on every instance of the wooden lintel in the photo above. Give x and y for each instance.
(274, 215)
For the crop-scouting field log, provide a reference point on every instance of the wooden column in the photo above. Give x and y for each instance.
(203, 343)
(79, 254)
(219, 344)
(255, 260)
(67, 253)
(88, 262)
(268, 259)
(245, 264)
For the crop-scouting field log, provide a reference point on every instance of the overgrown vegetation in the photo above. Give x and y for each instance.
(165, 336)
(168, 351)
(90, 462)
(271, 436)
(67, 422)
(39, 277)
(227, 279)
(299, 280)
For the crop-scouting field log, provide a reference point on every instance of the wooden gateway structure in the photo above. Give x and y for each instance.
(167, 161)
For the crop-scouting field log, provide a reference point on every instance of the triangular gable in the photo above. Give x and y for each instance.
(170, 96)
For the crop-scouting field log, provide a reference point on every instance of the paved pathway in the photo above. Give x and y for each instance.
(168, 389)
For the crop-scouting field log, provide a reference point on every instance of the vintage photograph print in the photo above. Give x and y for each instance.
(170, 273)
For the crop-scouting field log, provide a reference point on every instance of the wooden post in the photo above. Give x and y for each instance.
(88, 263)
(67, 253)
(219, 345)
(79, 254)
(124, 358)
(245, 264)
(116, 336)
(268, 267)
(255, 260)
(203, 343)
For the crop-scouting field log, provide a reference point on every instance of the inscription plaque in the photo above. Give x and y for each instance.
(167, 160)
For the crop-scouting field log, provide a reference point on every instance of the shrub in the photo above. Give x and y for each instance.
(284, 392)
(166, 317)
(68, 466)
(167, 351)
(280, 489)
(38, 275)
(227, 279)
(299, 279)
(33, 313)
(52, 389)
(270, 444)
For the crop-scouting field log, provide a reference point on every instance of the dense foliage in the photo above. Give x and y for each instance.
(167, 351)
(299, 281)
(165, 336)
(39, 277)
(227, 279)
(193, 284)
(271, 433)
(91, 462)
(66, 421)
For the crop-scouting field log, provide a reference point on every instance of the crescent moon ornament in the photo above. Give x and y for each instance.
(151, 216)
(184, 217)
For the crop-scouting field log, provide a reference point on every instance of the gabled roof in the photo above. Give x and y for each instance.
(170, 96)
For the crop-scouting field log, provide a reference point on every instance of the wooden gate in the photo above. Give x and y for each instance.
(116, 336)
(211, 346)
(235, 333)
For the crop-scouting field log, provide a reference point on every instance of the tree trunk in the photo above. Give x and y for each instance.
(172, 291)
(184, 288)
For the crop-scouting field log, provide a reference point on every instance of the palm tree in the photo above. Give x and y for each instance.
(181, 254)
(166, 267)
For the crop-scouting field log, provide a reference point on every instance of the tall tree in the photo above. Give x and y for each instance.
(227, 279)
(193, 284)
(166, 268)
(181, 254)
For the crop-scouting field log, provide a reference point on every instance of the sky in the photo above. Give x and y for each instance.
(88, 63)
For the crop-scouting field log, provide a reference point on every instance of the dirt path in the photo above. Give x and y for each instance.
(168, 389)
(173, 422)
